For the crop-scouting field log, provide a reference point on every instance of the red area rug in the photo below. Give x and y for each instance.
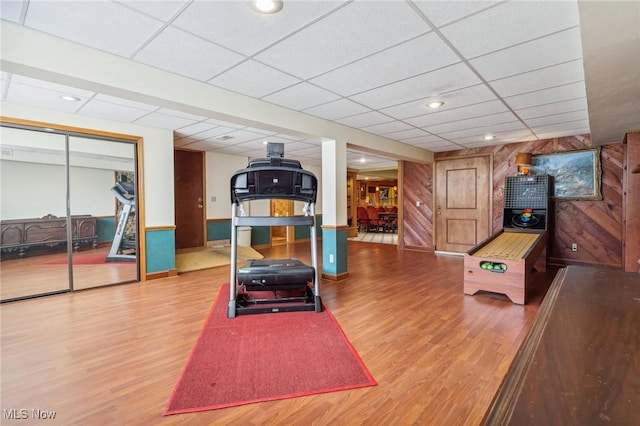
(264, 357)
(84, 259)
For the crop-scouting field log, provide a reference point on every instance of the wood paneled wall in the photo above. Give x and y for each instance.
(596, 226)
(417, 221)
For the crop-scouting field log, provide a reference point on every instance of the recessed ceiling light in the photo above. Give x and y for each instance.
(488, 137)
(265, 142)
(268, 6)
(435, 105)
(70, 98)
(363, 160)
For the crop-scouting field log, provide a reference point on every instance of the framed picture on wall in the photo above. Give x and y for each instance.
(576, 174)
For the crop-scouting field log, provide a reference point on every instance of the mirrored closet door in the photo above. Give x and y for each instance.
(68, 212)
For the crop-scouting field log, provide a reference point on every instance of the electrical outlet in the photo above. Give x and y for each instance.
(330, 258)
(574, 247)
(213, 198)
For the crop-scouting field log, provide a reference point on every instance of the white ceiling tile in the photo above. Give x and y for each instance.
(289, 138)
(11, 10)
(510, 23)
(569, 72)
(301, 96)
(297, 146)
(163, 121)
(184, 142)
(426, 139)
(471, 123)
(53, 87)
(163, 10)
(366, 119)
(193, 129)
(104, 25)
(306, 151)
(444, 148)
(417, 56)
(209, 145)
(253, 79)
(337, 109)
(393, 126)
(543, 52)
(479, 132)
(443, 12)
(456, 114)
(237, 25)
(500, 138)
(214, 132)
(316, 53)
(240, 136)
(40, 97)
(560, 133)
(569, 125)
(256, 145)
(262, 132)
(182, 53)
(558, 118)
(455, 99)
(111, 111)
(553, 108)
(405, 135)
(547, 96)
(425, 85)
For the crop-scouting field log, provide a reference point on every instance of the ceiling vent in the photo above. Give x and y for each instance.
(223, 138)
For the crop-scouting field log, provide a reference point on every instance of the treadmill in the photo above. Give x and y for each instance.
(292, 285)
(122, 249)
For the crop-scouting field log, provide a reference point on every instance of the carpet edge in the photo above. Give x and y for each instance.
(193, 349)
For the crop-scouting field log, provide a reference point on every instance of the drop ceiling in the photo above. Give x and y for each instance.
(511, 69)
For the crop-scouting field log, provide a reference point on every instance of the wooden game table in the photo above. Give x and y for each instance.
(503, 263)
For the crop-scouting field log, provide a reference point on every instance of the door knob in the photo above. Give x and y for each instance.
(199, 206)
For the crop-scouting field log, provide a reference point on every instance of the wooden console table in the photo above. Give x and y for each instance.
(25, 237)
(580, 362)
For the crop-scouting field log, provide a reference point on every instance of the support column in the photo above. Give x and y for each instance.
(334, 210)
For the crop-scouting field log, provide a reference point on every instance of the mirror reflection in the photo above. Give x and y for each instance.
(63, 226)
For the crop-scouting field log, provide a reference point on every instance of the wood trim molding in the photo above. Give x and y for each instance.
(64, 128)
(160, 228)
(336, 227)
(333, 277)
(162, 274)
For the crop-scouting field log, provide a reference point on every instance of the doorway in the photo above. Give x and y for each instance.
(282, 234)
(462, 206)
(189, 199)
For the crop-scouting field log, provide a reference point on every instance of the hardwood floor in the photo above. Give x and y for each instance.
(113, 355)
(49, 273)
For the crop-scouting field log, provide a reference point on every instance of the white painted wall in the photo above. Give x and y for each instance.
(32, 190)
(157, 155)
(220, 168)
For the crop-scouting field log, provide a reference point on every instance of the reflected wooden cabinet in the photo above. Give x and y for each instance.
(29, 237)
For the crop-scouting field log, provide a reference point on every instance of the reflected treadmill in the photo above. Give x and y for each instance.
(293, 285)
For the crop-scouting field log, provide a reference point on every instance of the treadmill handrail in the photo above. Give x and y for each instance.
(273, 220)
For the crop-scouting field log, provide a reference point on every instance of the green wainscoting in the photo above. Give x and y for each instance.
(160, 250)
